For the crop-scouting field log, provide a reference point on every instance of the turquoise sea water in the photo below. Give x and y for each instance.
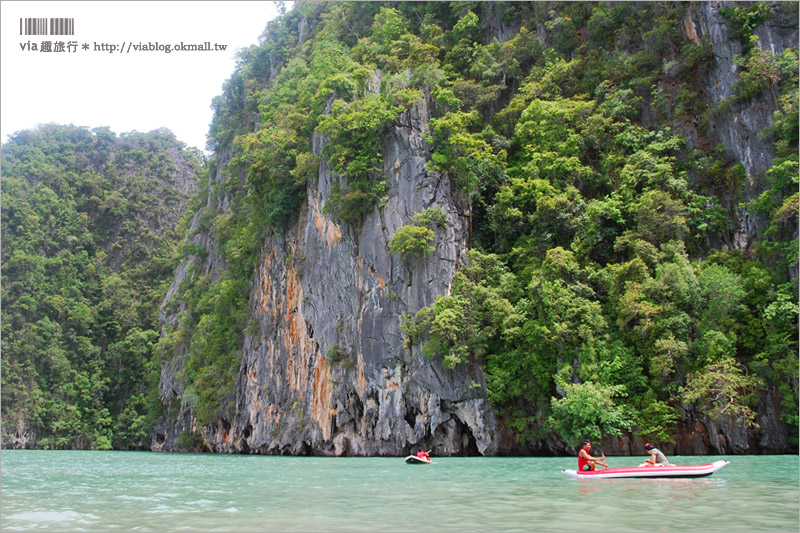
(140, 491)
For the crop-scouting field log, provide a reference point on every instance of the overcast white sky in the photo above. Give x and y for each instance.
(136, 90)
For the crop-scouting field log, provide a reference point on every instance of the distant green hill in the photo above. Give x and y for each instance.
(90, 230)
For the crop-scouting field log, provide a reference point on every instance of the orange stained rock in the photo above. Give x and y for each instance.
(380, 279)
(268, 298)
(271, 359)
(297, 356)
(327, 228)
(689, 28)
(273, 415)
(253, 390)
(266, 283)
(322, 388)
(362, 379)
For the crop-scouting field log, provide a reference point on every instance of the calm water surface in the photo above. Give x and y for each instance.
(140, 491)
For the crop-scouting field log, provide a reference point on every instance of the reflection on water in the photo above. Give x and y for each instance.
(650, 504)
(99, 491)
(676, 487)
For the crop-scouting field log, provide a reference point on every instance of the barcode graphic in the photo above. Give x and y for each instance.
(45, 26)
(62, 26)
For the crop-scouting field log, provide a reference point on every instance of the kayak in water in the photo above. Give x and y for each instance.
(650, 471)
(414, 460)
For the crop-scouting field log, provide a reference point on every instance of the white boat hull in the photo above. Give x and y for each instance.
(650, 471)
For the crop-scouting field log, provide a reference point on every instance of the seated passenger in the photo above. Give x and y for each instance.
(657, 458)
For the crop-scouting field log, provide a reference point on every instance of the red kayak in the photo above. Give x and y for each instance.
(650, 471)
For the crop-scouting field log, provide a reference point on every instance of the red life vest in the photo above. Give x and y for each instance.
(582, 462)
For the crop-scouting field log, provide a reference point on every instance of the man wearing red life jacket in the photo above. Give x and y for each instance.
(422, 454)
(586, 461)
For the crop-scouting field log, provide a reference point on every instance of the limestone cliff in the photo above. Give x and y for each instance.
(323, 366)
(740, 128)
(324, 370)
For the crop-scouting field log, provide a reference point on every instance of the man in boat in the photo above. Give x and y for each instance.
(422, 454)
(586, 461)
(657, 458)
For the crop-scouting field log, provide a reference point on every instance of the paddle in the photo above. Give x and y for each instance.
(427, 454)
(598, 453)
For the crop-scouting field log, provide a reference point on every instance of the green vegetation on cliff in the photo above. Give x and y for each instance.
(601, 270)
(90, 230)
(605, 292)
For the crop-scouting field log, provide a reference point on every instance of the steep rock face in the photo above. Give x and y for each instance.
(324, 370)
(178, 416)
(327, 371)
(740, 128)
